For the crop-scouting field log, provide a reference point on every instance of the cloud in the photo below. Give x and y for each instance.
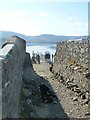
(18, 21)
(70, 24)
(70, 18)
(78, 23)
(73, 27)
(42, 13)
(75, 24)
(20, 26)
(7, 15)
(44, 21)
(60, 24)
(79, 28)
(21, 21)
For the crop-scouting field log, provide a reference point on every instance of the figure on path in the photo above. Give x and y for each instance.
(38, 58)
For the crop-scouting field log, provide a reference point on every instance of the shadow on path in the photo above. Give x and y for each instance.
(50, 106)
(38, 99)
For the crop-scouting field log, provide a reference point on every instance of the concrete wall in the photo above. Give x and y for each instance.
(12, 57)
(71, 65)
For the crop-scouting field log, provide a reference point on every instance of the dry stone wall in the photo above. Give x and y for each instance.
(71, 66)
(12, 57)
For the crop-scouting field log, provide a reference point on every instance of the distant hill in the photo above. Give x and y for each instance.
(44, 38)
(6, 34)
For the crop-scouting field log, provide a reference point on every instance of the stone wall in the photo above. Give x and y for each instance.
(71, 66)
(12, 57)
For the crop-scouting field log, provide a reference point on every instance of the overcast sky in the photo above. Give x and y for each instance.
(35, 18)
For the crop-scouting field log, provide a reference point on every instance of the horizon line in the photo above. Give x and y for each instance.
(41, 34)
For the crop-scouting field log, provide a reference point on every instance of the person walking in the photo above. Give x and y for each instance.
(52, 58)
(38, 58)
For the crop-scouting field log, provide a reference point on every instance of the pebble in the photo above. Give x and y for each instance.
(75, 99)
(55, 102)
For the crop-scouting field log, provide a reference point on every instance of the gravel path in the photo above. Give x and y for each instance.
(53, 109)
(73, 108)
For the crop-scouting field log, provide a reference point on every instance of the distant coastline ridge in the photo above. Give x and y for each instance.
(44, 38)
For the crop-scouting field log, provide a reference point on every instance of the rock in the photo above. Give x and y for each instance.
(75, 99)
(87, 95)
(27, 92)
(51, 67)
(29, 102)
(72, 89)
(76, 68)
(61, 77)
(32, 115)
(87, 101)
(88, 75)
(55, 102)
(68, 81)
(82, 50)
(77, 90)
(83, 96)
(46, 94)
(71, 85)
(56, 74)
(87, 114)
(61, 81)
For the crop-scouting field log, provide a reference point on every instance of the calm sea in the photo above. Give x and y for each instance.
(40, 48)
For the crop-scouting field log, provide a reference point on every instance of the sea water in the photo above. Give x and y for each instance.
(40, 48)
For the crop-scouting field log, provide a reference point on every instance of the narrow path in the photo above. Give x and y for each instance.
(37, 102)
(43, 69)
(53, 109)
(74, 109)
